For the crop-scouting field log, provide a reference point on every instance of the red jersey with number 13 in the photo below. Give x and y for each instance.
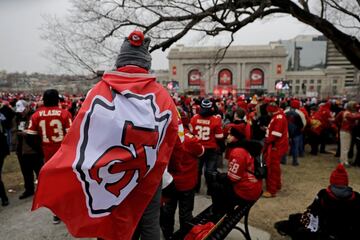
(51, 124)
(207, 129)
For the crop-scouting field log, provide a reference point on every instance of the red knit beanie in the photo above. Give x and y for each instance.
(339, 176)
(295, 104)
(238, 130)
(272, 107)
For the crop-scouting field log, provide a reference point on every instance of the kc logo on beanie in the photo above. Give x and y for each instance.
(135, 51)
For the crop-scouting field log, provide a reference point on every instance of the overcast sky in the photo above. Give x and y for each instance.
(21, 47)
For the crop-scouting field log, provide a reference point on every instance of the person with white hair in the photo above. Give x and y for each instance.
(30, 159)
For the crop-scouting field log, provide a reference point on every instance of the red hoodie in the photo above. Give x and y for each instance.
(184, 166)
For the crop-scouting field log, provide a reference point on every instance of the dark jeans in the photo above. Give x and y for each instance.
(2, 187)
(325, 138)
(30, 163)
(185, 200)
(223, 197)
(314, 141)
(357, 158)
(295, 148)
(209, 159)
(337, 154)
(9, 138)
(149, 225)
(302, 146)
(352, 146)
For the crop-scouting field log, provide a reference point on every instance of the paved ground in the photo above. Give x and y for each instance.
(17, 222)
(300, 185)
(201, 202)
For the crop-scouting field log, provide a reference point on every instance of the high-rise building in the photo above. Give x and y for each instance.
(335, 59)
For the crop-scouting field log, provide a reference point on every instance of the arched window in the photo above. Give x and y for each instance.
(225, 77)
(194, 77)
(256, 78)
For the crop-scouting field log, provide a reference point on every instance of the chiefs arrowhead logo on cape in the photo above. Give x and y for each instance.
(131, 129)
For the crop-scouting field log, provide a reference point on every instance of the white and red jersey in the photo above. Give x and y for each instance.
(277, 133)
(207, 130)
(51, 124)
(241, 167)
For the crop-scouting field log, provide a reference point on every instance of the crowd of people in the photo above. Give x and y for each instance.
(228, 131)
(216, 129)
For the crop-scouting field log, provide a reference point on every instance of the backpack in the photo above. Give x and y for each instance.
(294, 122)
(260, 169)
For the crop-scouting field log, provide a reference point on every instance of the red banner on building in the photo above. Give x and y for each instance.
(256, 77)
(194, 78)
(225, 77)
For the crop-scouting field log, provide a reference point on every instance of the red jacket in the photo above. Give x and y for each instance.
(246, 185)
(184, 165)
(277, 133)
(348, 121)
(324, 116)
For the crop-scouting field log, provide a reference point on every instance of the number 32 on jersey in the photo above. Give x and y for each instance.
(203, 132)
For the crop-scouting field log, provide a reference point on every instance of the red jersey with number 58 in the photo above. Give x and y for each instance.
(51, 124)
(207, 129)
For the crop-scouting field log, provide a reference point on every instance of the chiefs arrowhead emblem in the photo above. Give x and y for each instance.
(118, 146)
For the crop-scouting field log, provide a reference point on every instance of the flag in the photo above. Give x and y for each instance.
(111, 161)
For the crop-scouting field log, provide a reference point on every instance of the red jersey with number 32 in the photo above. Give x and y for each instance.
(207, 129)
(51, 124)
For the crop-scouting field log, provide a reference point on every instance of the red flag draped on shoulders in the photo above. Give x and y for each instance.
(112, 159)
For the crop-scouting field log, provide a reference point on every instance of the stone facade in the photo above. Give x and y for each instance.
(242, 68)
(321, 83)
(250, 69)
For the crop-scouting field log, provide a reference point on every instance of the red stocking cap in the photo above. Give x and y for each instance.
(339, 176)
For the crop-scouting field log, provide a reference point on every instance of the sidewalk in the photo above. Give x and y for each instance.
(201, 202)
(17, 222)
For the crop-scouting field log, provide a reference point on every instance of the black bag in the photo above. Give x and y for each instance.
(4, 147)
(260, 171)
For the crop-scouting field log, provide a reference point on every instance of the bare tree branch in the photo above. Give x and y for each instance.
(94, 28)
(305, 5)
(220, 54)
(322, 11)
(337, 6)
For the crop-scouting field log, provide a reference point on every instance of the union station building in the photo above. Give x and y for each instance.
(252, 69)
(242, 68)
